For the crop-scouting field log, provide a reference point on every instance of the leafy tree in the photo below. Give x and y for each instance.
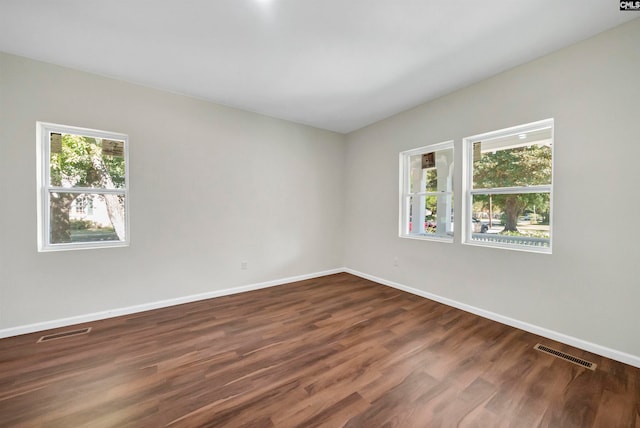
(80, 163)
(431, 202)
(521, 166)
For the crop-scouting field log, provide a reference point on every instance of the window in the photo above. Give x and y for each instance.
(508, 188)
(426, 195)
(82, 185)
(82, 205)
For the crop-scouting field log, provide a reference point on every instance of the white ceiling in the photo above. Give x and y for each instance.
(334, 64)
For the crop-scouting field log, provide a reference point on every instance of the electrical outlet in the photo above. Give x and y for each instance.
(244, 265)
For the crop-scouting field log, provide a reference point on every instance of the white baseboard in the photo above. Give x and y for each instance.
(623, 357)
(63, 322)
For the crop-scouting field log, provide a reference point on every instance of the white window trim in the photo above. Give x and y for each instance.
(404, 193)
(43, 132)
(468, 192)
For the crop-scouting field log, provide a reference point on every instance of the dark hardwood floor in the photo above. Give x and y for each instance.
(334, 351)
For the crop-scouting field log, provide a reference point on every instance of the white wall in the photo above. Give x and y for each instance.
(589, 288)
(210, 186)
(239, 186)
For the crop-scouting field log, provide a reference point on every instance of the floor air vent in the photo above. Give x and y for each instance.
(64, 334)
(566, 357)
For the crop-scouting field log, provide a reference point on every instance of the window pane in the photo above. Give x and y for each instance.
(518, 219)
(425, 169)
(81, 161)
(428, 208)
(514, 160)
(92, 217)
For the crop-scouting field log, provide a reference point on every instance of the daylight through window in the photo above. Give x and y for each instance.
(509, 188)
(426, 202)
(83, 176)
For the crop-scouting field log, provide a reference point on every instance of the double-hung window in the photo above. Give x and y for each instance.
(426, 194)
(83, 188)
(508, 188)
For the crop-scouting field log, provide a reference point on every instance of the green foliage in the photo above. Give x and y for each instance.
(524, 201)
(529, 234)
(431, 204)
(115, 167)
(431, 180)
(79, 161)
(82, 224)
(521, 166)
(73, 167)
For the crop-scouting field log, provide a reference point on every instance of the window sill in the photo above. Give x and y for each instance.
(522, 248)
(425, 237)
(82, 246)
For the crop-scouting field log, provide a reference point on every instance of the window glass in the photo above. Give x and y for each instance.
(510, 187)
(86, 217)
(524, 217)
(516, 160)
(83, 185)
(82, 161)
(427, 196)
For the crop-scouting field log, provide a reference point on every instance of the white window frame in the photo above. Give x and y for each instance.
(43, 136)
(468, 191)
(405, 194)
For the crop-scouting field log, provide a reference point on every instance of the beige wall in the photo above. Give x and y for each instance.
(210, 186)
(589, 288)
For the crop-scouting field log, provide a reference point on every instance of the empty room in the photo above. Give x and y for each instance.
(279, 213)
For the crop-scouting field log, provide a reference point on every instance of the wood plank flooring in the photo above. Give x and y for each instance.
(330, 352)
